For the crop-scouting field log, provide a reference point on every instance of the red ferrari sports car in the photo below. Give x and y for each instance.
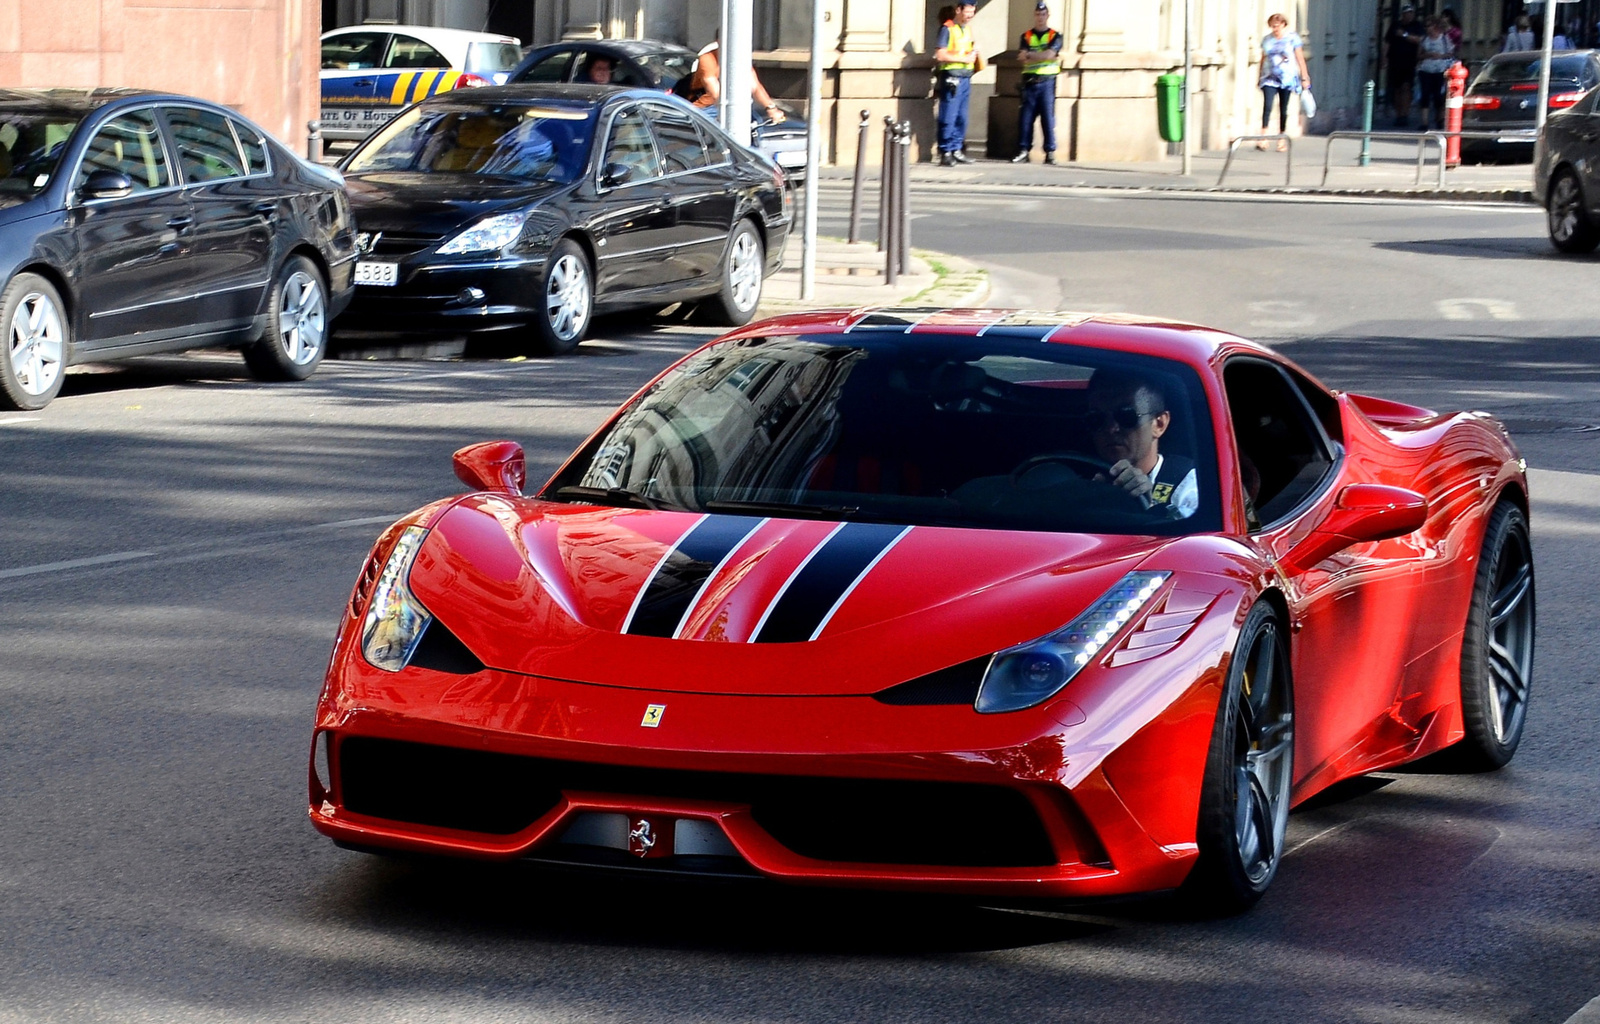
(1000, 603)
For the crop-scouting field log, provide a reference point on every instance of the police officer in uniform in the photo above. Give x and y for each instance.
(1040, 53)
(956, 58)
(1127, 417)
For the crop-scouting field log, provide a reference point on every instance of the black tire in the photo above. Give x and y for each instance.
(743, 274)
(1567, 215)
(38, 336)
(296, 338)
(1244, 798)
(566, 293)
(1497, 650)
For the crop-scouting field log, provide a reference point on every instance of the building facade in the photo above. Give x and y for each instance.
(257, 56)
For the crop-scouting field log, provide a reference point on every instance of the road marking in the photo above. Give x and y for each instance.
(1466, 309)
(193, 552)
(1281, 314)
(19, 419)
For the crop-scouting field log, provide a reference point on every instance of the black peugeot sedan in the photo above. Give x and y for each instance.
(135, 222)
(530, 208)
(1504, 97)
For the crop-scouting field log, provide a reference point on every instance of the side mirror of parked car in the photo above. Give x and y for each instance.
(492, 466)
(616, 174)
(1363, 512)
(103, 184)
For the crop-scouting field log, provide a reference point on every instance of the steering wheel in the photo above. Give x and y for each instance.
(1086, 466)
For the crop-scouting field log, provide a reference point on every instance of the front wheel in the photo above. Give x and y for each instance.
(297, 325)
(567, 299)
(1497, 650)
(743, 272)
(36, 335)
(1571, 230)
(1244, 798)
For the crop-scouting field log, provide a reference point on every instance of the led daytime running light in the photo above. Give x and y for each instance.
(495, 232)
(1031, 673)
(395, 618)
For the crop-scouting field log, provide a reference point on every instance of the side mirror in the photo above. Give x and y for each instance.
(1362, 512)
(616, 174)
(498, 466)
(103, 184)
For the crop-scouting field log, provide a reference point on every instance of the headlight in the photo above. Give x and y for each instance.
(495, 232)
(1031, 673)
(395, 619)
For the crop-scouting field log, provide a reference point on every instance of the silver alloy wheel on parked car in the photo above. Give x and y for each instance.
(1566, 209)
(1263, 756)
(36, 349)
(567, 297)
(302, 318)
(744, 271)
(1510, 646)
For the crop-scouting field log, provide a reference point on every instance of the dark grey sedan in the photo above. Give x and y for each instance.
(1566, 174)
(1504, 97)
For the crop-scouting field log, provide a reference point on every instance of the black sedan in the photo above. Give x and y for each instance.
(134, 222)
(650, 64)
(1566, 174)
(530, 208)
(1504, 97)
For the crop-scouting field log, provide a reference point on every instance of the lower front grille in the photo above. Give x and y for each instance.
(879, 821)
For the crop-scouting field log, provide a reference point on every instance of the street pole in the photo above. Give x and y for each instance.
(1544, 64)
(736, 53)
(723, 83)
(1188, 71)
(808, 238)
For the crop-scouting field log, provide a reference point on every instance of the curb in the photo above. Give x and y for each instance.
(1588, 1013)
(1463, 195)
(961, 283)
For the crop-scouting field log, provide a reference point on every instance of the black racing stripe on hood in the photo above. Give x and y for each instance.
(685, 571)
(815, 590)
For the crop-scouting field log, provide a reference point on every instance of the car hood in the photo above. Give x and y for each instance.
(437, 204)
(763, 606)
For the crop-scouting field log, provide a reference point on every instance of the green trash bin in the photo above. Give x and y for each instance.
(1169, 103)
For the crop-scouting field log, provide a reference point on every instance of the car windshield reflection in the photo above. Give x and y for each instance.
(31, 145)
(543, 142)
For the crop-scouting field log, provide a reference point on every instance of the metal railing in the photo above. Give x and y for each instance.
(1288, 152)
(1441, 138)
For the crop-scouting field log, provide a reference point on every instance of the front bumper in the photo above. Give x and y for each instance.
(838, 791)
(450, 296)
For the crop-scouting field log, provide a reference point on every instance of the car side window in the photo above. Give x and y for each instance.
(131, 145)
(678, 140)
(716, 145)
(206, 147)
(1283, 455)
(354, 52)
(255, 148)
(411, 52)
(550, 69)
(629, 145)
(1323, 405)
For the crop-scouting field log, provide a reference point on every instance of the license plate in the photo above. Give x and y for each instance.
(387, 274)
(792, 158)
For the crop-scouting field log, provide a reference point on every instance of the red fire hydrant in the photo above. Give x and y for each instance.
(1454, 90)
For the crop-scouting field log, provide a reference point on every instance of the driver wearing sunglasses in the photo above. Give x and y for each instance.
(1127, 417)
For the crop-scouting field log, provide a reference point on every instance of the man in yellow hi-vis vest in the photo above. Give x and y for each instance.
(1040, 53)
(955, 58)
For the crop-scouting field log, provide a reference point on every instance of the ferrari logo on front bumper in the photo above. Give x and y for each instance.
(652, 715)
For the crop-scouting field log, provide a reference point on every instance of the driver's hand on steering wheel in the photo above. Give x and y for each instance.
(1127, 476)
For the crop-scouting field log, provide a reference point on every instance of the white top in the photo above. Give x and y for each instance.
(1186, 496)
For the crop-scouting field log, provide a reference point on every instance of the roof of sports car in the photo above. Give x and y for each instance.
(1171, 339)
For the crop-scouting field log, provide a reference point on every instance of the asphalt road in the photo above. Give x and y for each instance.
(176, 542)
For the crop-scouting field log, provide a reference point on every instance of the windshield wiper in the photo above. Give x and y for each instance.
(615, 496)
(783, 508)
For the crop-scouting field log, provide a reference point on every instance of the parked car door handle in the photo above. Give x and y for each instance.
(180, 222)
(266, 207)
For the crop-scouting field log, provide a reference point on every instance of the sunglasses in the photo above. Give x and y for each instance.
(1126, 417)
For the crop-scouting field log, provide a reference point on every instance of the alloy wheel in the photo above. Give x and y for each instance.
(1263, 756)
(302, 318)
(1565, 208)
(1510, 640)
(744, 271)
(567, 297)
(36, 343)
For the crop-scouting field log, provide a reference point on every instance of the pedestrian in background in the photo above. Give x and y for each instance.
(1520, 36)
(955, 58)
(1438, 53)
(1040, 53)
(1400, 58)
(1452, 28)
(705, 88)
(1283, 74)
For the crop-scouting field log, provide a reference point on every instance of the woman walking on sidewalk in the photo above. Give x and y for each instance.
(1283, 74)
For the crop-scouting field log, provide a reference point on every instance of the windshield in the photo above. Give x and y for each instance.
(31, 145)
(920, 430)
(515, 140)
(1505, 70)
(492, 57)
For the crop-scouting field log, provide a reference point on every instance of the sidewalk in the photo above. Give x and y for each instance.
(1392, 173)
(852, 275)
